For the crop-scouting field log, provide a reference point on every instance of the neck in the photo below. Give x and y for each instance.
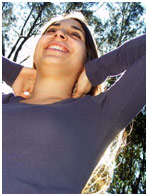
(51, 89)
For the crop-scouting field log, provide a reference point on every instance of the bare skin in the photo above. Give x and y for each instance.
(24, 82)
(59, 58)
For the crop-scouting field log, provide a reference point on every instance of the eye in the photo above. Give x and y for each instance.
(75, 34)
(52, 30)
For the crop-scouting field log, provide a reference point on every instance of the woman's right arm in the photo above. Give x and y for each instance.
(10, 71)
(20, 78)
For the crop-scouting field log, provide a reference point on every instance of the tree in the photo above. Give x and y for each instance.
(125, 22)
(33, 21)
(130, 175)
(8, 18)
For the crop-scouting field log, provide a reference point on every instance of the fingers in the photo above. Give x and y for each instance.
(80, 91)
(75, 89)
(24, 95)
(78, 95)
(24, 82)
(82, 87)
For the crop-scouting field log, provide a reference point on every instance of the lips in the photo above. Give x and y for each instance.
(57, 47)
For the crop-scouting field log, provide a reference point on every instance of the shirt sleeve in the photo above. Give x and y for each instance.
(10, 71)
(116, 61)
(127, 96)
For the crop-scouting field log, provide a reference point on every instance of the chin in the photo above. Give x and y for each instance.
(50, 60)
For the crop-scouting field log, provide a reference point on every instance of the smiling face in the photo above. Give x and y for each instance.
(61, 48)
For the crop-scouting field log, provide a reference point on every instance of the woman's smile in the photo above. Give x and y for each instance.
(57, 47)
(63, 43)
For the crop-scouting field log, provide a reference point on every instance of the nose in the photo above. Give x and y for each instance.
(60, 34)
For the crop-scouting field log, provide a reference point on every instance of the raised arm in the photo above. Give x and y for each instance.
(123, 100)
(20, 78)
(10, 71)
(117, 61)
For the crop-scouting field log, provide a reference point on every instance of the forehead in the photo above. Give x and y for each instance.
(69, 23)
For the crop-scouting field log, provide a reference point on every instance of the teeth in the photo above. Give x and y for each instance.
(57, 48)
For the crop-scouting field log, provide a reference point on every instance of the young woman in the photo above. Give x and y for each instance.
(53, 139)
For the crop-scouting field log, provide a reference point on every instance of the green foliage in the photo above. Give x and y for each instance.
(125, 22)
(130, 175)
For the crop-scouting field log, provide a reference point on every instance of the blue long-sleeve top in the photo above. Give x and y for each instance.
(53, 148)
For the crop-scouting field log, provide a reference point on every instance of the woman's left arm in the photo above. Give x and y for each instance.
(127, 96)
(116, 61)
(113, 63)
(123, 100)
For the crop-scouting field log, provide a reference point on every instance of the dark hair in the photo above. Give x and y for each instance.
(90, 44)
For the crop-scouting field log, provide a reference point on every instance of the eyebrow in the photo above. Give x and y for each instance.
(74, 27)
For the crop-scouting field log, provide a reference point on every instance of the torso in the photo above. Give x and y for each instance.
(50, 145)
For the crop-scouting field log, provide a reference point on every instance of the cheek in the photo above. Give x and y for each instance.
(81, 53)
(83, 50)
(85, 53)
(80, 59)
